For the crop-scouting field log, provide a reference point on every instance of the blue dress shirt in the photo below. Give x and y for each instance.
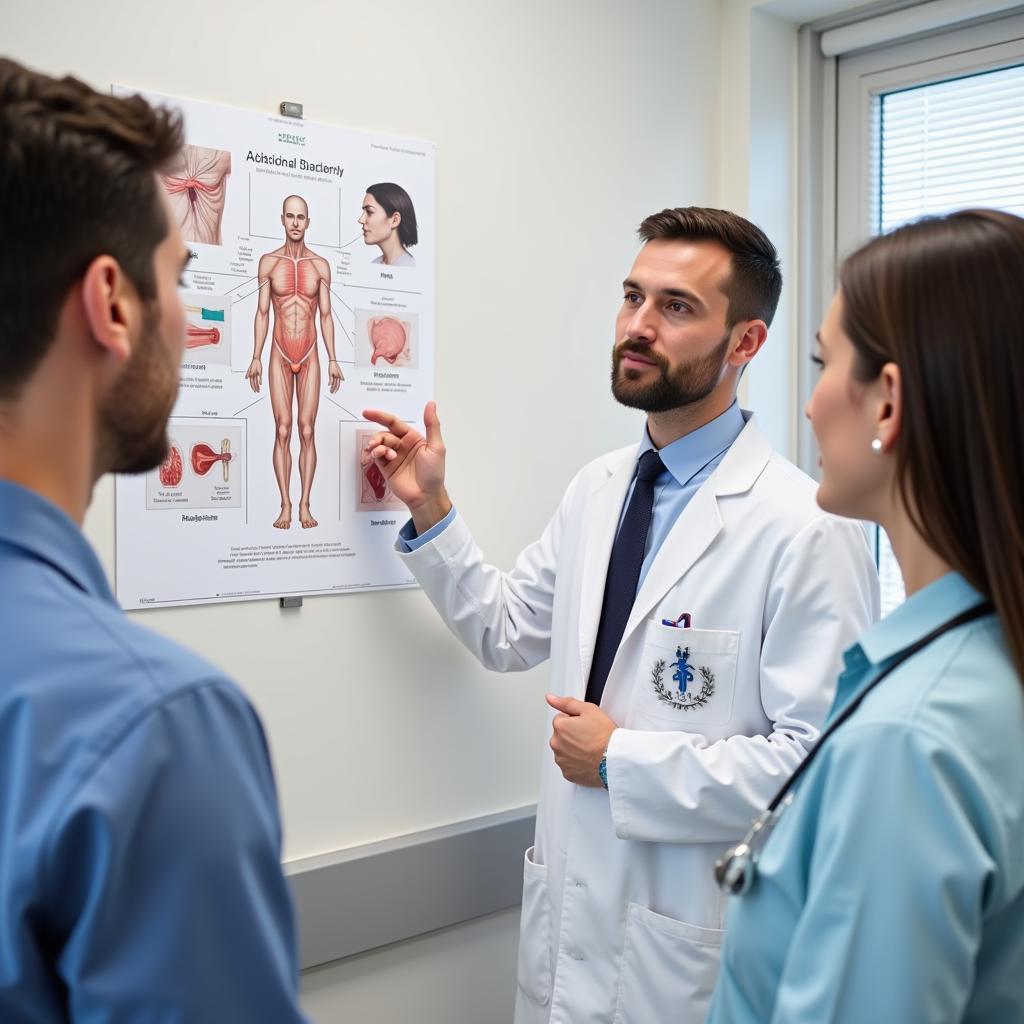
(140, 876)
(893, 887)
(689, 461)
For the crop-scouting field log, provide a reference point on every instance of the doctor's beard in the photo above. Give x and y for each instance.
(688, 383)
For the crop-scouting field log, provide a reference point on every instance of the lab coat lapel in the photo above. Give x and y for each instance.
(602, 520)
(701, 521)
(688, 539)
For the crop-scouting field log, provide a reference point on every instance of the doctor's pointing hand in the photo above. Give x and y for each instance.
(412, 464)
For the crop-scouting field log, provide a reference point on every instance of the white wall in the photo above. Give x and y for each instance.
(558, 126)
(759, 176)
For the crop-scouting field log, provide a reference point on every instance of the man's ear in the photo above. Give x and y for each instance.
(111, 305)
(890, 406)
(748, 337)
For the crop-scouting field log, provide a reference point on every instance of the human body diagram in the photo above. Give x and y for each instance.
(196, 185)
(296, 283)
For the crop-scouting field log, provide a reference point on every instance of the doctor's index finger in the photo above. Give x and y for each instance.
(388, 420)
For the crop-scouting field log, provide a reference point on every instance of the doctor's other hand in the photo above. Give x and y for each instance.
(412, 464)
(579, 738)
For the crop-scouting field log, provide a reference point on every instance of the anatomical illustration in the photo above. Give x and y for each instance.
(296, 282)
(196, 184)
(203, 468)
(373, 493)
(172, 468)
(386, 340)
(204, 458)
(390, 339)
(202, 333)
(199, 337)
(207, 328)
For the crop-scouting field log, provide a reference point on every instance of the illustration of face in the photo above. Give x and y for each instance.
(133, 420)
(841, 412)
(671, 340)
(376, 224)
(295, 218)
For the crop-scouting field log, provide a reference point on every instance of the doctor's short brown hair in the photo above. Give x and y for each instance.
(755, 283)
(77, 180)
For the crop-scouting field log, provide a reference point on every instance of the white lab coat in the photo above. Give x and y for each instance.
(621, 918)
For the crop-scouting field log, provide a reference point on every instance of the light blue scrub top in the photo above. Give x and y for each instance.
(893, 887)
(140, 875)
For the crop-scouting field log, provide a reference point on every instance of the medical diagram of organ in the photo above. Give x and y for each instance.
(389, 338)
(373, 494)
(196, 185)
(199, 335)
(204, 458)
(172, 468)
(295, 283)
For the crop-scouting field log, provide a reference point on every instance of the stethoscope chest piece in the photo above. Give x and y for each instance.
(734, 872)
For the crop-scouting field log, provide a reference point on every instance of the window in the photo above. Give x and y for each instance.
(927, 127)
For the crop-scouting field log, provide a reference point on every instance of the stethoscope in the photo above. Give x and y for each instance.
(736, 870)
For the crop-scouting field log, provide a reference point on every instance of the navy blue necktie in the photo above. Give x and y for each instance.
(624, 572)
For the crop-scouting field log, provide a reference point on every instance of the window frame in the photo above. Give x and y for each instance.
(836, 97)
(839, 101)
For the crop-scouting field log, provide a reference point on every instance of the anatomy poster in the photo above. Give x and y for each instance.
(309, 297)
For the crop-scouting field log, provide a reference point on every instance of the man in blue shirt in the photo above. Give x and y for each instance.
(140, 874)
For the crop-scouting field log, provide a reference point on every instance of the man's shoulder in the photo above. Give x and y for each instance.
(786, 485)
(92, 684)
(783, 489)
(781, 504)
(62, 648)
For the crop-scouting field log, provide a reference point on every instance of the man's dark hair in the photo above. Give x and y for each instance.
(394, 199)
(755, 282)
(76, 182)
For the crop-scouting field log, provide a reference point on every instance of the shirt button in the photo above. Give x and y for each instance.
(581, 885)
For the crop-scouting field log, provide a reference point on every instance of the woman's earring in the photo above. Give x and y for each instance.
(876, 446)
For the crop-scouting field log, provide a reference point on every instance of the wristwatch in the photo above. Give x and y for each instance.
(602, 769)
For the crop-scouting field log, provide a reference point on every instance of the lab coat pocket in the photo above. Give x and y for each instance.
(668, 968)
(534, 970)
(687, 676)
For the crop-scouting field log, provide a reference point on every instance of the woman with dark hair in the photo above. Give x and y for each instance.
(892, 888)
(388, 221)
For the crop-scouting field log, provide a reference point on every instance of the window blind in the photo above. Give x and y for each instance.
(942, 147)
(952, 144)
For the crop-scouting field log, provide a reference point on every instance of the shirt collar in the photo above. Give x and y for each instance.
(922, 612)
(37, 526)
(685, 457)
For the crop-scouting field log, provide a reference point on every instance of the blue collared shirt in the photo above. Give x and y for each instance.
(689, 461)
(893, 887)
(140, 875)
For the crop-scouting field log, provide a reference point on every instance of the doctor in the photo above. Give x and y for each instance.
(693, 600)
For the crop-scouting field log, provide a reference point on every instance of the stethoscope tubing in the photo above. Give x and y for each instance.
(736, 869)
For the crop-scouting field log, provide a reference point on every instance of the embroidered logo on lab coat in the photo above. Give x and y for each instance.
(686, 697)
